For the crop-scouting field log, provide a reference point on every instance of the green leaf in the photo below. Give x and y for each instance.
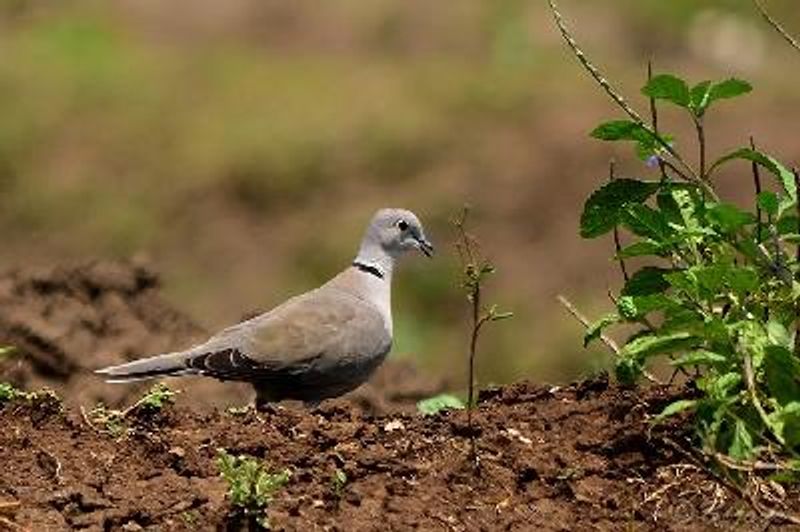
(788, 223)
(628, 370)
(621, 130)
(8, 392)
(785, 177)
(779, 335)
(720, 387)
(640, 249)
(646, 281)
(705, 93)
(436, 404)
(768, 202)
(700, 96)
(651, 344)
(670, 88)
(700, 357)
(687, 207)
(730, 88)
(741, 447)
(675, 408)
(595, 329)
(632, 308)
(647, 142)
(646, 222)
(782, 371)
(601, 212)
(729, 217)
(789, 423)
(627, 308)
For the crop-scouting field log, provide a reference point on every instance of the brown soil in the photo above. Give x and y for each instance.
(582, 457)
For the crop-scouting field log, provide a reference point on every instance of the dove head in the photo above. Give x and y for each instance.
(390, 234)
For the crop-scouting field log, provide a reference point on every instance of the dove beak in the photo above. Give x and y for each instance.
(425, 246)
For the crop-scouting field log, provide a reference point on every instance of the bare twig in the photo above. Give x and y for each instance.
(687, 172)
(777, 26)
(757, 465)
(611, 344)
(589, 66)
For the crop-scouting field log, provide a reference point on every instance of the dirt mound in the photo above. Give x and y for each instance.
(577, 458)
(66, 321)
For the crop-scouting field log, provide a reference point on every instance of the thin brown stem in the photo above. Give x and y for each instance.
(688, 172)
(611, 344)
(777, 26)
(617, 243)
(654, 120)
(757, 185)
(701, 146)
(797, 261)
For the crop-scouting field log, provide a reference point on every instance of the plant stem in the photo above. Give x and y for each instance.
(797, 261)
(605, 339)
(473, 344)
(654, 120)
(617, 244)
(750, 382)
(688, 173)
(701, 145)
(757, 185)
(776, 26)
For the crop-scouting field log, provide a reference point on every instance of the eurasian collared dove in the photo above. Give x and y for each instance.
(317, 345)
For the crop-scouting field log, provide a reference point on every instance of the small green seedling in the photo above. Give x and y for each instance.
(438, 403)
(475, 269)
(154, 400)
(251, 487)
(8, 392)
(338, 482)
(114, 422)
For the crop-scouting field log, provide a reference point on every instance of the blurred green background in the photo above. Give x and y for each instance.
(240, 146)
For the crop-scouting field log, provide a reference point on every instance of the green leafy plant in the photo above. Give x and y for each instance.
(434, 405)
(251, 487)
(720, 299)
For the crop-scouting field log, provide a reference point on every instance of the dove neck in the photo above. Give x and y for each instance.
(376, 263)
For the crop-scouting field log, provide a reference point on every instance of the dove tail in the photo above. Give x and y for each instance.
(169, 365)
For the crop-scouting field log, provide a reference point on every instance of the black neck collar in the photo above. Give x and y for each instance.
(367, 268)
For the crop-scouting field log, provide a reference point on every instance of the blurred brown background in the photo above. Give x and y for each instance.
(240, 146)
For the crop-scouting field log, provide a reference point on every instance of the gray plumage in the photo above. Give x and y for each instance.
(317, 345)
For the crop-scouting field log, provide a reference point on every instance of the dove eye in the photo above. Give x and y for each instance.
(402, 225)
